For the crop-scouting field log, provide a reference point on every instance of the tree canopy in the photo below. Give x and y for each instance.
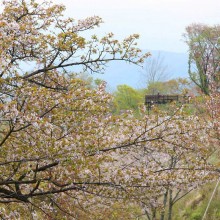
(203, 41)
(63, 154)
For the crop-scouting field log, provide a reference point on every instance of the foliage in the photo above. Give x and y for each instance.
(63, 155)
(170, 87)
(127, 98)
(203, 42)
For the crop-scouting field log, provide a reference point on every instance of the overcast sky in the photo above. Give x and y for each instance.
(160, 23)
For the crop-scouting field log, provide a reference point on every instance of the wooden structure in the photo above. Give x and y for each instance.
(164, 99)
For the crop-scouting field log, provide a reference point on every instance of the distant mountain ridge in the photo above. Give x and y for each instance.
(118, 73)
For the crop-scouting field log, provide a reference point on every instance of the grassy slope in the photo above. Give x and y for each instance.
(193, 206)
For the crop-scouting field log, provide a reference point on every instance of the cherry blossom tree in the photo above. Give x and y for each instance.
(46, 112)
(213, 102)
(62, 153)
(203, 42)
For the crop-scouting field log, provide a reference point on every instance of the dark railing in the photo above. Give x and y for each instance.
(164, 99)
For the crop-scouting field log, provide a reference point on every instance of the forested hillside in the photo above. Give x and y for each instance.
(70, 149)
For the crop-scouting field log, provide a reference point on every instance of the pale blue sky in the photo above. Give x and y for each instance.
(160, 23)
